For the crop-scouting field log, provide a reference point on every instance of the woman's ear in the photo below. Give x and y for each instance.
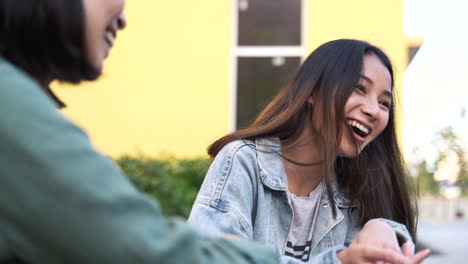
(310, 100)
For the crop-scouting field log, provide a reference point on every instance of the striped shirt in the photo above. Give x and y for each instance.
(304, 211)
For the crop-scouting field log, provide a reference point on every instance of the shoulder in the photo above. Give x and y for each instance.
(233, 171)
(19, 92)
(234, 149)
(236, 156)
(13, 76)
(32, 122)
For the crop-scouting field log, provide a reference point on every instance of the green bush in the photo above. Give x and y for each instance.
(424, 180)
(173, 182)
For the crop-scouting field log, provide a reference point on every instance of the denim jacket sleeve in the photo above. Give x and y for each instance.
(330, 256)
(224, 204)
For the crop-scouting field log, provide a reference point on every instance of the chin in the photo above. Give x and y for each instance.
(98, 65)
(349, 155)
(349, 152)
(91, 73)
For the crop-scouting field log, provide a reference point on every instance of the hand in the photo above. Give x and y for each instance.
(232, 237)
(415, 258)
(378, 233)
(367, 253)
(377, 243)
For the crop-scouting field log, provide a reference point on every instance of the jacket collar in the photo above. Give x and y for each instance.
(273, 174)
(59, 103)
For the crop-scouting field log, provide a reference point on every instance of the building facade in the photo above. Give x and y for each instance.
(184, 73)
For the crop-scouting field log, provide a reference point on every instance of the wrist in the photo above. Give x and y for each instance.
(379, 225)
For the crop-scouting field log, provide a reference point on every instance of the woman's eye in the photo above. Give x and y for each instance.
(361, 89)
(385, 104)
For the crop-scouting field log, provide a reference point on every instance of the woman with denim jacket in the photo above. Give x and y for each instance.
(319, 175)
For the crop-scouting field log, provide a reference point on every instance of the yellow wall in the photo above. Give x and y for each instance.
(377, 21)
(165, 85)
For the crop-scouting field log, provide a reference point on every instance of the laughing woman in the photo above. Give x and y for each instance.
(319, 173)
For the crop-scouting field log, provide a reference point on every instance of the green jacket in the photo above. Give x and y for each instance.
(63, 202)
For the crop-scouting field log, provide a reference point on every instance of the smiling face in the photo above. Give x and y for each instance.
(102, 21)
(367, 110)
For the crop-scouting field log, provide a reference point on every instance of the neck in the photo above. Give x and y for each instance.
(303, 179)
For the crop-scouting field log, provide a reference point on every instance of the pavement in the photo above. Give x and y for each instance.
(447, 239)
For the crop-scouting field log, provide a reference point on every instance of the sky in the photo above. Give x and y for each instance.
(436, 81)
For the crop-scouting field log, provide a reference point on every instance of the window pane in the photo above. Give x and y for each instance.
(258, 80)
(269, 22)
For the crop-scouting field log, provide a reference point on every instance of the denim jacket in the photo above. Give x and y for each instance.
(245, 194)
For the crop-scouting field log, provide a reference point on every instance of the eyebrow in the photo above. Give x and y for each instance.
(367, 79)
(370, 81)
(388, 94)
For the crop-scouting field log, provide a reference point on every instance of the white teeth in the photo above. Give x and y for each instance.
(110, 38)
(359, 126)
(364, 129)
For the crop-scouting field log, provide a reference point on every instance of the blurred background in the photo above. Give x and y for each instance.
(184, 73)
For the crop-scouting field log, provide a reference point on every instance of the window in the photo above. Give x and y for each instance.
(269, 22)
(267, 51)
(258, 80)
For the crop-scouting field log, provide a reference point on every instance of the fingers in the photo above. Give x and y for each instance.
(381, 253)
(232, 237)
(365, 239)
(384, 255)
(420, 256)
(407, 250)
(416, 258)
(389, 247)
(378, 233)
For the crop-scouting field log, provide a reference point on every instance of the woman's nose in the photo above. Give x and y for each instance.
(121, 21)
(371, 109)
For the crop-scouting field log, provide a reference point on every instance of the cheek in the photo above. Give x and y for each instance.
(92, 44)
(95, 42)
(349, 103)
(381, 126)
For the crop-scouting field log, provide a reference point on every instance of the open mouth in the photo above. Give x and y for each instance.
(110, 37)
(359, 129)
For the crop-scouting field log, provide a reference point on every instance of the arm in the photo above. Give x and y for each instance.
(399, 230)
(62, 202)
(386, 231)
(224, 204)
(377, 241)
(216, 213)
(355, 254)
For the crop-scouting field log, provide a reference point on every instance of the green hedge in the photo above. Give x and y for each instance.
(173, 182)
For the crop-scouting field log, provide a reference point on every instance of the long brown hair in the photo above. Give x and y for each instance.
(377, 178)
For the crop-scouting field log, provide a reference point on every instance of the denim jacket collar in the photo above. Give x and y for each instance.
(273, 174)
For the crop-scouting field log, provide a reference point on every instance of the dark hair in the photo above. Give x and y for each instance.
(46, 39)
(330, 74)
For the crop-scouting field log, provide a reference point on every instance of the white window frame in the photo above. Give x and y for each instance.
(257, 52)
